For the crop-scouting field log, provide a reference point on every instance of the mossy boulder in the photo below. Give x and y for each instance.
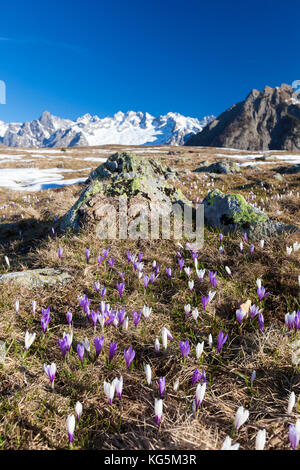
(123, 175)
(231, 212)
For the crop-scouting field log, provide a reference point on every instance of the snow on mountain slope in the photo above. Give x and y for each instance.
(131, 128)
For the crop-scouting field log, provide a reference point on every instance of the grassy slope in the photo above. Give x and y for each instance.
(34, 417)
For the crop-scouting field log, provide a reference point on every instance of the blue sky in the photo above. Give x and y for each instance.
(72, 57)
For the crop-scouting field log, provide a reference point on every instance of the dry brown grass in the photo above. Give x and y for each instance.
(34, 417)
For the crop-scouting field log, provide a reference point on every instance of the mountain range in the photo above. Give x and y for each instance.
(130, 128)
(265, 120)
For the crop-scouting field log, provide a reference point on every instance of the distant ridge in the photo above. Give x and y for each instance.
(268, 120)
(131, 128)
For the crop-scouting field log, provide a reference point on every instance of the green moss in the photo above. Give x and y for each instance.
(247, 214)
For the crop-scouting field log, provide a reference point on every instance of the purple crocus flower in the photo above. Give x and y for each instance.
(129, 256)
(196, 377)
(213, 278)
(63, 345)
(97, 286)
(254, 310)
(121, 288)
(60, 252)
(136, 318)
(204, 301)
(261, 292)
(129, 356)
(184, 348)
(112, 350)
(221, 341)
(162, 386)
(240, 315)
(98, 343)
(152, 277)
(194, 255)
(99, 260)
(102, 291)
(111, 262)
(69, 317)
(121, 315)
(105, 252)
(294, 436)
(140, 256)
(80, 352)
(245, 237)
(146, 280)
(169, 272)
(94, 317)
(87, 254)
(121, 275)
(220, 236)
(50, 371)
(181, 263)
(45, 320)
(261, 322)
(251, 249)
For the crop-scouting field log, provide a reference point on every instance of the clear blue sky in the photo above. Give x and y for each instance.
(71, 57)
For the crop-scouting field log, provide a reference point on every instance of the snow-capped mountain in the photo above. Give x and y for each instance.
(131, 128)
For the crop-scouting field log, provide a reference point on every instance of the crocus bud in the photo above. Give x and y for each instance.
(158, 409)
(78, 410)
(148, 373)
(71, 429)
(260, 440)
(291, 403)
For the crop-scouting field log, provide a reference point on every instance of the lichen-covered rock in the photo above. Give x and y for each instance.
(37, 278)
(225, 167)
(231, 212)
(122, 165)
(123, 175)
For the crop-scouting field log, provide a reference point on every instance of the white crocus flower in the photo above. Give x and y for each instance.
(71, 428)
(227, 444)
(17, 305)
(86, 345)
(176, 385)
(7, 261)
(199, 349)
(260, 440)
(148, 373)
(241, 417)
(228, 270)
(262, 243)
(147, 311)
(258, 283)
(109, 390)
(210, 340)
(29, 339)
(78, 410)
(211, 294)
(157, 345)
(187, 271)
(289, 250)
(187, 309)
(195, 314)
(291, 403)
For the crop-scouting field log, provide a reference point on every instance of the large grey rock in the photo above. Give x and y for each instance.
(264, 120)
(222, 167)
(231, 212)
(37, 278)
(135, 178)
